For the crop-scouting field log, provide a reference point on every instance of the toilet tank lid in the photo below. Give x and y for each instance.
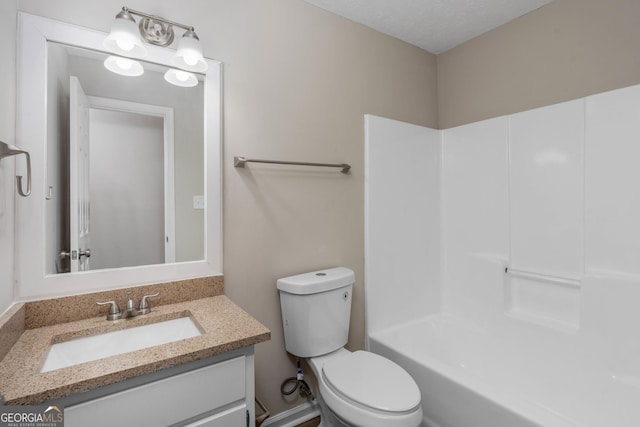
(317, 281)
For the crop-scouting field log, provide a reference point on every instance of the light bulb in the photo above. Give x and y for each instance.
(124, 63)
(123, 66)
(191, 59)
(124, 37)
(125, 45)
(189, 54)
(182, 76)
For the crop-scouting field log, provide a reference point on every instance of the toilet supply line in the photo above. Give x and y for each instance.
(297, 382)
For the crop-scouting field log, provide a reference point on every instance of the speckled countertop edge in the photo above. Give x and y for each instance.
(12, 325)
(225, 327)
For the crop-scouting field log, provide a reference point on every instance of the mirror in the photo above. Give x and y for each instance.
(142, 165)
(146, 182)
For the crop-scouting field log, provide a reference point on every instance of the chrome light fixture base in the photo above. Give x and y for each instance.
(156, 31)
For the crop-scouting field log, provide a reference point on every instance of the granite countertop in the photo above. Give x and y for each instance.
(224, 326)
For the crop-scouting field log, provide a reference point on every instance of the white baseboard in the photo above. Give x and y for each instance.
(293, 416)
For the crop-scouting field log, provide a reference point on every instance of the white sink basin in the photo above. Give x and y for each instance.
(86, 349)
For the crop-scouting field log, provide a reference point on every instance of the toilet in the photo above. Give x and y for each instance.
(359, 388)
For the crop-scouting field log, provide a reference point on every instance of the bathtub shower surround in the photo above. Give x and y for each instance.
(510, 249)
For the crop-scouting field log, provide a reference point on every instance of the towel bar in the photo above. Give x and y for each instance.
(240, 161)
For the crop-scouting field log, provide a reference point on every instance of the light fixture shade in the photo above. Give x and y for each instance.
(181, 78)
(123, 66)
(189, 54)
(124, 38)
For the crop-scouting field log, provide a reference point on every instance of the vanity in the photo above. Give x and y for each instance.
(204, 380)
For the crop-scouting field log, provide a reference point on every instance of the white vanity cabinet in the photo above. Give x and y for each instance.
(214, 392)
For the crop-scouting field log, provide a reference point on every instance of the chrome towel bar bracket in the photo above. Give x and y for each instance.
(7, 150)
(239, 162)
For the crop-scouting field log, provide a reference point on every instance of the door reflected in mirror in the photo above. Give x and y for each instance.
(125, 165)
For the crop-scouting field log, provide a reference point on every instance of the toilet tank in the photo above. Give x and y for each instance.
(316, 309)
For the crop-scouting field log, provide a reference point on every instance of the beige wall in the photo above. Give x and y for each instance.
(565, 50)
(297, 82)
(7, 134)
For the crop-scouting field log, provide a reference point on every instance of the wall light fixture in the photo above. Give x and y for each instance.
(125, 40)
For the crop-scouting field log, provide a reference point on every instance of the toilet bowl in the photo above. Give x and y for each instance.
(365, 389)
(360, 388)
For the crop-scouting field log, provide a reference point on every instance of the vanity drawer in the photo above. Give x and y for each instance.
(236, 416)
(167, 401)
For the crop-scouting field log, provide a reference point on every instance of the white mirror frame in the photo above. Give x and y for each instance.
(31, 134)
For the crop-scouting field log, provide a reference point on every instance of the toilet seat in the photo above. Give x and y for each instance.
(372, 382)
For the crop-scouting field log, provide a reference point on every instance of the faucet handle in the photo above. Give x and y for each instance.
(144, 305)
(114, 310)
(130, 304)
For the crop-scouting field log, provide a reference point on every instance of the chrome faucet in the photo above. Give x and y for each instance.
(131, 310)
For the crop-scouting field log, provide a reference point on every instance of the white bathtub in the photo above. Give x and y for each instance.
(511, 374)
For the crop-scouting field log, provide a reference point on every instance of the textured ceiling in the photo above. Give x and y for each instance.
(433, 25)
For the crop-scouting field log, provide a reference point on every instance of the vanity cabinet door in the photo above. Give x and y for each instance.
(171, 400)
